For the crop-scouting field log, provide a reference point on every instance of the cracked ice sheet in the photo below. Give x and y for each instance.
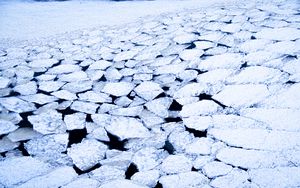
(276, 177)
(157, 103)
(239, 96)
(253, 158)
(260, 139)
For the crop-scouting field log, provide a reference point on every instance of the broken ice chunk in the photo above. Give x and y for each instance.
(21, 169)
(22, 134)
(75, 121)
(48, 122)
(86, 107)
(215, 168)
(17, 105)
(43, 63)
(204, 107)
(87, 154)
(239, 96)
(4, 82)
(185, 179)
(64, 94)
(118, 89)
(6, 127)
(148, 90)
(119, 126)
(6, 144)
(176, 164)
(55, 178)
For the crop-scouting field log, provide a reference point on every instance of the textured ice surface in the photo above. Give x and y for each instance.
(21, 169)
(119, 126)
(148, 90)
(175, 164)
(204, 107)
(56, 178)
(238, 96)
(195, 98)
(87, 153)
(6, 127)
(48, 122)
(118, 89)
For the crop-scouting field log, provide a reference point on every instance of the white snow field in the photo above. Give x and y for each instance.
(206, 97)
(25, 19)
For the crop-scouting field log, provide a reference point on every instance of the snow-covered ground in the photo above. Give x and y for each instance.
(22, 20)
(208, 97)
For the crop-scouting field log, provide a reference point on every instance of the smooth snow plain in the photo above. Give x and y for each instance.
(22, 20)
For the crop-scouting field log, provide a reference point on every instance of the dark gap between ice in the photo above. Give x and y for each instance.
(56, 64)
(245, 169)
(143, 32)
(113, 98)
(178, 79)
(23, 150)
(2, 136)
(13, 93)
(102, 79)
(36, 74)
(85, 68)
(196, 33)
(79, 61)
(289, 58)
(24, 122)
(196, 133)
(115, 143)
(194, 81)
(175, 106)
(205, 56)
(194, 169)
(76, 136)
(228, 22)
(222, 45)
(37, 105)
(84, 91)
(244, 65)
(290, 82)
(198, 70)
(79, 172)
(67, 111)
(130, 97)
(4, 54)
(169, 147)
(131, 170)
(205, 96)
(60, 101)
(136, 44)
(162, 95)
(43, 92)
(191, 46)
(158, 185)
(173, 119)
(88, 118)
